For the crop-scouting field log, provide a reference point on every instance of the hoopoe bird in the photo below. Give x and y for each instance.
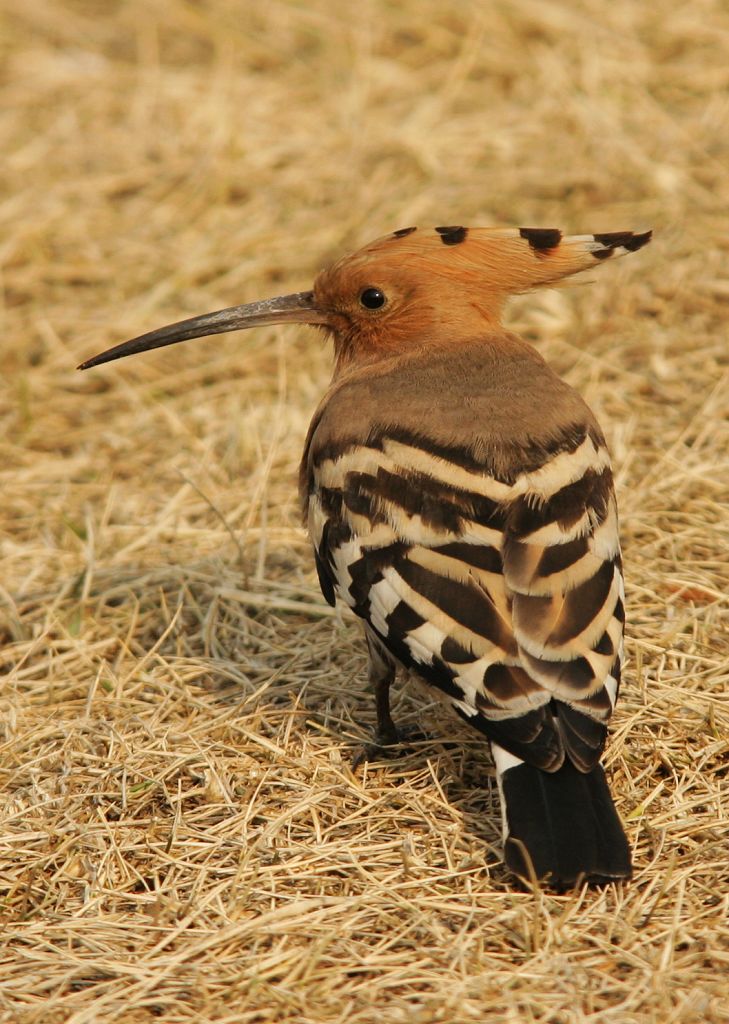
(460, 501)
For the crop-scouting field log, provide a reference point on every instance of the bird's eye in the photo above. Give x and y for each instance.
(372, 298)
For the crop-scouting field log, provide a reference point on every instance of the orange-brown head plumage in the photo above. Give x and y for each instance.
(418, 287)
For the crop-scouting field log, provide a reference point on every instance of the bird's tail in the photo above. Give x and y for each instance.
(561, 827)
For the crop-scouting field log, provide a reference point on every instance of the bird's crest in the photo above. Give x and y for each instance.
(503, 261)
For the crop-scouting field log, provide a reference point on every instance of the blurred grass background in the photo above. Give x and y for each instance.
(182, 837)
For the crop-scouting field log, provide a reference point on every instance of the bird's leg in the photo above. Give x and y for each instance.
(381, 675)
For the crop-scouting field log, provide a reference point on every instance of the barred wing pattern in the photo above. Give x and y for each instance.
(503, 591)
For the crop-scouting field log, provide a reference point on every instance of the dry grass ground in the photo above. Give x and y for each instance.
(181, 835)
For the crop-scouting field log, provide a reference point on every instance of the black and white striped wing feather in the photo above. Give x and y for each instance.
(563, 569)
(503, 592)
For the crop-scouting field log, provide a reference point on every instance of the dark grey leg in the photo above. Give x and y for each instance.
(381, 675)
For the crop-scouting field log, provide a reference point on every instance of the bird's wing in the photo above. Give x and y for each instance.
(469, 579)
(562, 567)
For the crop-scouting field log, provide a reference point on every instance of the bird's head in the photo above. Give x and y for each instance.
(411, 288)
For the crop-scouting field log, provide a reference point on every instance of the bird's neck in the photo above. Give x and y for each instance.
(355, 354)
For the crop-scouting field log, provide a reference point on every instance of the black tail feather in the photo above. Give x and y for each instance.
(563, 826)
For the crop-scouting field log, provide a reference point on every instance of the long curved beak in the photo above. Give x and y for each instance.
(298, 308)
